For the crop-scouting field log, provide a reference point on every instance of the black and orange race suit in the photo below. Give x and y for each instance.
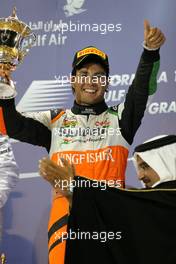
(94, 138)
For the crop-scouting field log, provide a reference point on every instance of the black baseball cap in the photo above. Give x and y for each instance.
(89, 54)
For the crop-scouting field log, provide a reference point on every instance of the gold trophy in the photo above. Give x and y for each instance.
(16, 39)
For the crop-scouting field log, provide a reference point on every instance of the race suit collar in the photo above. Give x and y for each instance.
(95, 109)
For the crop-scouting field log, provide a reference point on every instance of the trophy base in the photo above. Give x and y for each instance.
(7, 91)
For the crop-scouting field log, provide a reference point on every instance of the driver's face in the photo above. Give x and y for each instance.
(90, 84)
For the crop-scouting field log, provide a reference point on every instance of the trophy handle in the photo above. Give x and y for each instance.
(24, 52)
(30, 44)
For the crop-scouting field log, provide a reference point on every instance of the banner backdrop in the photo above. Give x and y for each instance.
(42, 80)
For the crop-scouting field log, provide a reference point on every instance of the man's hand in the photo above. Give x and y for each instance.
(59, 177)
(153, 37)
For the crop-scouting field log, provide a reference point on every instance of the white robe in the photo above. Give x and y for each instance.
(9, 173)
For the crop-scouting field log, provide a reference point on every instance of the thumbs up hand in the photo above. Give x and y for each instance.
(153, 36)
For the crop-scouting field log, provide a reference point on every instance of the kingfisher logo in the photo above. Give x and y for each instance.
(74, 7)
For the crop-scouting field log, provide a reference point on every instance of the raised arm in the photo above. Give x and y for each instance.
(33, 130)
(132, 110)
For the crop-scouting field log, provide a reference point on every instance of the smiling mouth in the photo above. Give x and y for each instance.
(90, 91)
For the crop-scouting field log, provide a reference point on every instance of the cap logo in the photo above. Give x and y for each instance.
(88, 51)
